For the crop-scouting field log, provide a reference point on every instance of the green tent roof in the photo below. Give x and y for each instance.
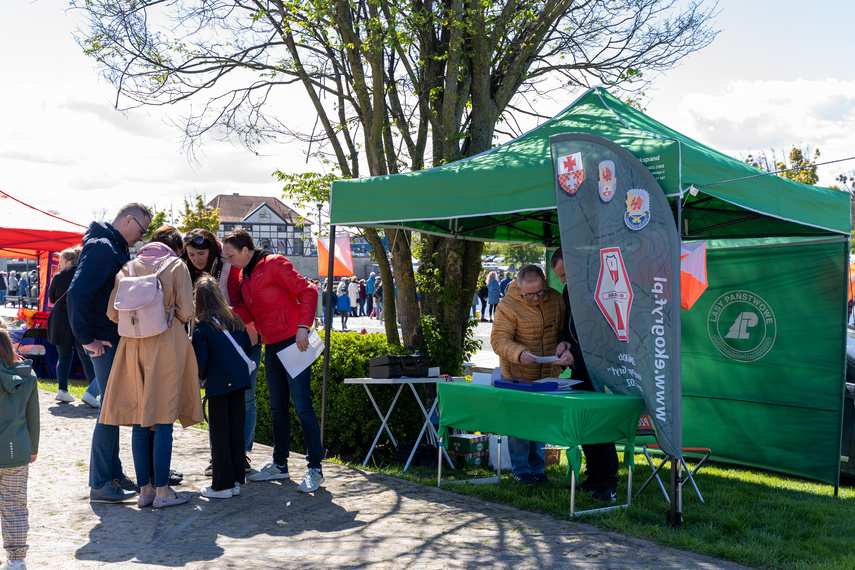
(508, 193)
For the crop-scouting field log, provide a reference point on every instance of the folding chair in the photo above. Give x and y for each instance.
(645, 430)
(665, 458)
(36, 350)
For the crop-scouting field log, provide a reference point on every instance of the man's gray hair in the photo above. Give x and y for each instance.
(529, 273)
(134, 209)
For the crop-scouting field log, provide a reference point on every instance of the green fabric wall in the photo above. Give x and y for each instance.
(777, 407)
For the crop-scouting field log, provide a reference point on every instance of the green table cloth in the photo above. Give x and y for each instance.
(560, 419)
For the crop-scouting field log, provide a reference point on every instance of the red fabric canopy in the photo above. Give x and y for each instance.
(26, 231)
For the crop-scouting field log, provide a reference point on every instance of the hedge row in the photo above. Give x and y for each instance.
(351, 421)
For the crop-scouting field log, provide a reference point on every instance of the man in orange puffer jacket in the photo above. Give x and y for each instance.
(528, 322)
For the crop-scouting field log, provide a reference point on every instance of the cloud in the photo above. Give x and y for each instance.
(38, 158)
(750, 116)
(138, 122)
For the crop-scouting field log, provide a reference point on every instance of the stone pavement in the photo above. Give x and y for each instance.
(357, 519)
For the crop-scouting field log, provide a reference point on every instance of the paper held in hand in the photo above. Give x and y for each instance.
(296, 361)
(541, 359)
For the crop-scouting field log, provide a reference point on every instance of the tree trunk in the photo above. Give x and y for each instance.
(449, 272)
(407, 306)
(376, 243)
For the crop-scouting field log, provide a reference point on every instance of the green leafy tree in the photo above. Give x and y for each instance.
(394, 87)
(198, 215)
(799, 168)
(158, 219)
(306, 190)
(523, 254)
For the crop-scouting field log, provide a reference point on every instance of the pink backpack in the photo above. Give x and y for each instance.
(139, 301)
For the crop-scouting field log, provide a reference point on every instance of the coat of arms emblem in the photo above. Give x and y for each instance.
(614, 294)
(637, 209)
(570, 172)
(607, 183)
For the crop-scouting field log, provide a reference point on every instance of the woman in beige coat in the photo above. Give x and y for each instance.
(155, 380)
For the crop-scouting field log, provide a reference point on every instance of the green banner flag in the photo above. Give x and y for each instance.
(622, 265)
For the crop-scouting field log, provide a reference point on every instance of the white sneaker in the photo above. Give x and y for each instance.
(91, 400)
(64, 396)
(269, 472)
(311, 481)
(211, 494)
(17, 565)
(236, 490)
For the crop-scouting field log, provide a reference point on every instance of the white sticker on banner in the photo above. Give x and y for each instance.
(607, 183)
(614, 293)
(637, 209)
(570, 172)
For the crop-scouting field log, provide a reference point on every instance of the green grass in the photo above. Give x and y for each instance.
(751, 517)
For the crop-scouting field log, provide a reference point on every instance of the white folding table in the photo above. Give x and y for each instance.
(400, 383)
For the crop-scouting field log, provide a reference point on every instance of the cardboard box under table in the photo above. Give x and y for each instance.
(468, 443)
(561, 419)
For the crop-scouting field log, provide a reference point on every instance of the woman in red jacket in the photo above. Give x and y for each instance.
(282, 303)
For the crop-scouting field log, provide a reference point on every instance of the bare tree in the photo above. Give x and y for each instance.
(396, 86)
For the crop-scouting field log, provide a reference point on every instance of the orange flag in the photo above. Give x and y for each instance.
(343, 263)
(693, 272)
(851, 281)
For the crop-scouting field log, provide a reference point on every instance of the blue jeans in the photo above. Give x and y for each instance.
(143, 456)
(282, 388)
(527, 457)
(104, 463)
(249, 401)
(63, 367)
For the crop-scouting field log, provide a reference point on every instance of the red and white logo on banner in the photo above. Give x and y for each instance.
(570, 172)
(607, 183)
(614, 294)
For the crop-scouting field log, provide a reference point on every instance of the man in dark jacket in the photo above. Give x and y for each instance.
(503, 285)
(601, 461)
(105, 251)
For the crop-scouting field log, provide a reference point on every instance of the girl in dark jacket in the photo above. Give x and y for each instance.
(225, 369)
(59, 332)
(482, 295)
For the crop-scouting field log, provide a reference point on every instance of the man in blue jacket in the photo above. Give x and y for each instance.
(503, 285)
(369, 290)
(105, 251)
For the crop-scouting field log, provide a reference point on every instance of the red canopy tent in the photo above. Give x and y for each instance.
(27, 232)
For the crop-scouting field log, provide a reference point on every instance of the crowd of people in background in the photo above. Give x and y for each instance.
(352, 297)
(18, 283)
(492, 287)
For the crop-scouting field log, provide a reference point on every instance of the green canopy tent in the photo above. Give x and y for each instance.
(763, 390)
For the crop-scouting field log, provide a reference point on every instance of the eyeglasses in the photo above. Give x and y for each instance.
(533, 295)
(144, 230)
(197, 239)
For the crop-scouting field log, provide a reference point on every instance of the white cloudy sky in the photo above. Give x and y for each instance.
(780, 74)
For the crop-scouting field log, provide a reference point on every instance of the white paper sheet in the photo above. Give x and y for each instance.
(296, 361)
(563, 383)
